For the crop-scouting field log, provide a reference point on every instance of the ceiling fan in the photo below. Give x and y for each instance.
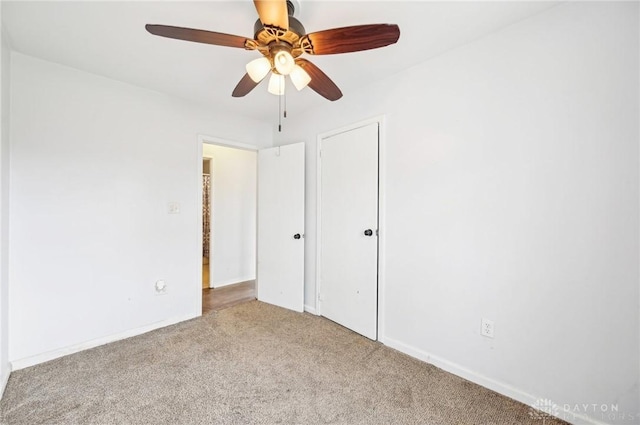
(281, 39)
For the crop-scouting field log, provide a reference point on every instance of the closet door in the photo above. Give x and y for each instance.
(349, 229)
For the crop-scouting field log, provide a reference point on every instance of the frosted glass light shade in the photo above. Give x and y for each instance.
(299, 77)
(258, 69)
(276, 84)
(284, 62)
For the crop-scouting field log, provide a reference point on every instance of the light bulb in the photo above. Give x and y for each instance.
(299, 77)
(258, 69)
(276, 84)
(284, 62)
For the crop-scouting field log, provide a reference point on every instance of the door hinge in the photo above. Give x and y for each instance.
(377, 232)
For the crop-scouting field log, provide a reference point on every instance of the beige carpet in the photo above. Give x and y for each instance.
(249, 364)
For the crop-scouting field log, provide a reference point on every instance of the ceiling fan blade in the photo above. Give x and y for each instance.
(273, 13)
(320, 83)
(245, 85)
(350, 39)
(199, 36)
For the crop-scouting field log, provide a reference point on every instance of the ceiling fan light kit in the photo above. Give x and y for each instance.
(282, 39)
(276, 84)
(258, 69)
(283, 62)
(299, 77)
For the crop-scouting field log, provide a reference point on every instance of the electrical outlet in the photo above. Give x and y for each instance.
(486, 328)
(161, 287)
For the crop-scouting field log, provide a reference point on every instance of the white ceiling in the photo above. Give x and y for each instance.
(108, 38)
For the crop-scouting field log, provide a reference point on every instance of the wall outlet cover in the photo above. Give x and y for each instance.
(486, 328)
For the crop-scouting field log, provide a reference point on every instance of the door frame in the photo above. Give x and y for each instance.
(380, 120)
(211, 140)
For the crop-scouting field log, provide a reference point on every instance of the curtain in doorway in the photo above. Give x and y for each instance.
(206, 214)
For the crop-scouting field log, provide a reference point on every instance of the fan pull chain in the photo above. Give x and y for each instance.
(285, 104)
(280, 112)
(280, 109)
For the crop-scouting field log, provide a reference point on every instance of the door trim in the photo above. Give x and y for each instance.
(380, 120)
(210, 140)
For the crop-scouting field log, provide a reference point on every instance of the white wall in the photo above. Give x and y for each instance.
(512, 193)
(5, 72)
(94, 164)
(233, 221)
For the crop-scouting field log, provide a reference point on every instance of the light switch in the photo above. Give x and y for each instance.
(174, 208)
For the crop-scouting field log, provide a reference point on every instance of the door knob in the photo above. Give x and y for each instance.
(296, 236)
(368, 232)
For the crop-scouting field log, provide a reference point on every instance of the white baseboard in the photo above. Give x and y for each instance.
(228, 282)
(310, 309)
(61, 352)
(492, 384)
(4, 378)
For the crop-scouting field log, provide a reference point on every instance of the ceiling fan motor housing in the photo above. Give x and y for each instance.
(265, 34)
(291, 7)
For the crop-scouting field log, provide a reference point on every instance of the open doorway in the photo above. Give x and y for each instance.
(206, 221)
(229, 213)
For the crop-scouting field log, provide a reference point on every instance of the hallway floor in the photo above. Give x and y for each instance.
(214, 299)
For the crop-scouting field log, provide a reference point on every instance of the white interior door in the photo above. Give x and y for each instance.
(349, 223)
(280, 270)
